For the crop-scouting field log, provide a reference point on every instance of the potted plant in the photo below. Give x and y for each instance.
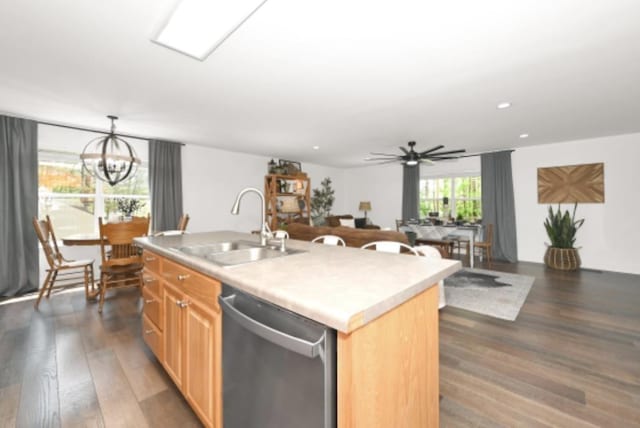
(561, 229)
(322, 201)
(128, 206)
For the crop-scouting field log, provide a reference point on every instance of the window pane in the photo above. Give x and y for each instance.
(70, 215)
(464, 203)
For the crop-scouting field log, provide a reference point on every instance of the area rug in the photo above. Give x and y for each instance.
(488, 292)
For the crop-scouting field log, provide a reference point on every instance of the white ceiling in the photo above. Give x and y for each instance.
(351, 76)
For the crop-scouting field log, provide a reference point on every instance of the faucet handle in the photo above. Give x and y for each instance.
(267, 229)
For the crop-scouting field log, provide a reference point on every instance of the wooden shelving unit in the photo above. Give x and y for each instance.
(281, 191)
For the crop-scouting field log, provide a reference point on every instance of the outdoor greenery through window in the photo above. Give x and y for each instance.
(463, 196)
(75, 200)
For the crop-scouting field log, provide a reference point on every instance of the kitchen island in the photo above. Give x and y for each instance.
(383, 306)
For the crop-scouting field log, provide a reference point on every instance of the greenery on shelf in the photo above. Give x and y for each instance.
(562, 227)
(323, 198)
(128, 206)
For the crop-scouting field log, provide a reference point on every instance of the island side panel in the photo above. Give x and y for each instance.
(388, 369)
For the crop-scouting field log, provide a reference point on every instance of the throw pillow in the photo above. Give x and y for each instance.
(348, 222)
(361, 222)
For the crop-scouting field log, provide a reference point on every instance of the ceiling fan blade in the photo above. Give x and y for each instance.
(450, 152)
(406, 152)
(386, 161)
(433, 149)
(382, 154)
(396, 159)
(434, 158)
(427, 161)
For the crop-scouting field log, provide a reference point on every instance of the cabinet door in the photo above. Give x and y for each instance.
(173, 333)
(202, 337)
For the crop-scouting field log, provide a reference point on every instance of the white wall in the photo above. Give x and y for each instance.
(212, 178)
(382, 185)
(610, 235)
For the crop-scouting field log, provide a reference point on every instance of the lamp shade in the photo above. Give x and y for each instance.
(365, 206)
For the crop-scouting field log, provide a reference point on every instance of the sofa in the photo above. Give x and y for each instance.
(360, 223)
(351, 236)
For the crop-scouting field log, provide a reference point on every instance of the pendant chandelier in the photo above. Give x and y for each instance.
(110, 158)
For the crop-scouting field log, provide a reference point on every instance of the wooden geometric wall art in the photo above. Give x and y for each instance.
(571, 183)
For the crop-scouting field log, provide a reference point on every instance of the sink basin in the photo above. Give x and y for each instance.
(218, 247)
(248, 255)
(235, 252)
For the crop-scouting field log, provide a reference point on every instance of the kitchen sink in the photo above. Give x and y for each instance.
(218, 247)
(235, 252)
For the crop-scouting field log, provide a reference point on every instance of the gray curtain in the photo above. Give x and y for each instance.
(18, 205)
(498, 207)
(165, 183)
(410, 191)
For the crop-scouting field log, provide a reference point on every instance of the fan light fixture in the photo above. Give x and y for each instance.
(110, 158)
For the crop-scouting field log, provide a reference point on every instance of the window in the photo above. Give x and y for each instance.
(71, 196)
(463, 197)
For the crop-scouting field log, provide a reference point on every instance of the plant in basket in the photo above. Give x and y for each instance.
(561, 229)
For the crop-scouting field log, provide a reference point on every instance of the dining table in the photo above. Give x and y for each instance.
(470, 232)
(86, 239)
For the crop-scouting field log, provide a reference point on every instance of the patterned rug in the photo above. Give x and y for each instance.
(488, 292)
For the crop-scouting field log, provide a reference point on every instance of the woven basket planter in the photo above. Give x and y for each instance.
(562, 258)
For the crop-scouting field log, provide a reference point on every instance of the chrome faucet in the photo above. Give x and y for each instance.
(265, 233)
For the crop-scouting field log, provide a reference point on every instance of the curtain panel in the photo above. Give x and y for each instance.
(410, 191)
(498, 206)
(18, 205)
(165, 183)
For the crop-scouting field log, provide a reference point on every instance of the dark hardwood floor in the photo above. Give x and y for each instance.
(572, 358)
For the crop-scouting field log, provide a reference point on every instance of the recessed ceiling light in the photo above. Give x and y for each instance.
(524, 135)
(504, 104)
(316, 147)
(197, 27)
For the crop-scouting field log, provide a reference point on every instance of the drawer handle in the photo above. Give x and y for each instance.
(149, 259)
(148, 280)
(182, 303)
(150, 331)
(149, 301)
(183, 277)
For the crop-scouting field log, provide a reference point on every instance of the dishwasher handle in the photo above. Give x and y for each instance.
(282, 339)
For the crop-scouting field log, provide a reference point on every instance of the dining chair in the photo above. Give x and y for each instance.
(390, 247)
(62, 271)
(182, 223)
(487, 244)
(431, 252)
(330, 240)
(122, 262)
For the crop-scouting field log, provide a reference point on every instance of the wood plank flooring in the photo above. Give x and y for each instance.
(571, 359)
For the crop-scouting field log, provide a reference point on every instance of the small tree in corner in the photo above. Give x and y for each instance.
(322, 199)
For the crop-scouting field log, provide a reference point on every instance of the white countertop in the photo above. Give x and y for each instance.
(341, 287)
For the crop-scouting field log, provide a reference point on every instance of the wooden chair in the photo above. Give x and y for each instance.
(330, 240)
(182, 223)
(122, 262)
(65, 272)
(487, 244)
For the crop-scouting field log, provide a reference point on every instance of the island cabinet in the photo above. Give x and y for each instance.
(387, 365)
(187, 342)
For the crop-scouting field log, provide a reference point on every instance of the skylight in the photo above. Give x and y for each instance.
(197, 27)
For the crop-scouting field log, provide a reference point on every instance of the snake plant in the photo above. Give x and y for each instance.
(562, 227)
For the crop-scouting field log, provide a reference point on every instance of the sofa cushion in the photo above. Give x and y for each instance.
(334, 220)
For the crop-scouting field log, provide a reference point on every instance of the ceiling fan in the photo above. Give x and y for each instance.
(411, 157)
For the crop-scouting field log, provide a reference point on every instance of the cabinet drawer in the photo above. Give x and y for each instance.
(151, 283)
(151, 261)
(152, 336)
(151, 308)
(195, 285)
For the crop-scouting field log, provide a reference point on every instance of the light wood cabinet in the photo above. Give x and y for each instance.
(182, 326)
(282, 190)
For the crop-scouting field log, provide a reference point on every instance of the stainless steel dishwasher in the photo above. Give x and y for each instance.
(278, 368)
